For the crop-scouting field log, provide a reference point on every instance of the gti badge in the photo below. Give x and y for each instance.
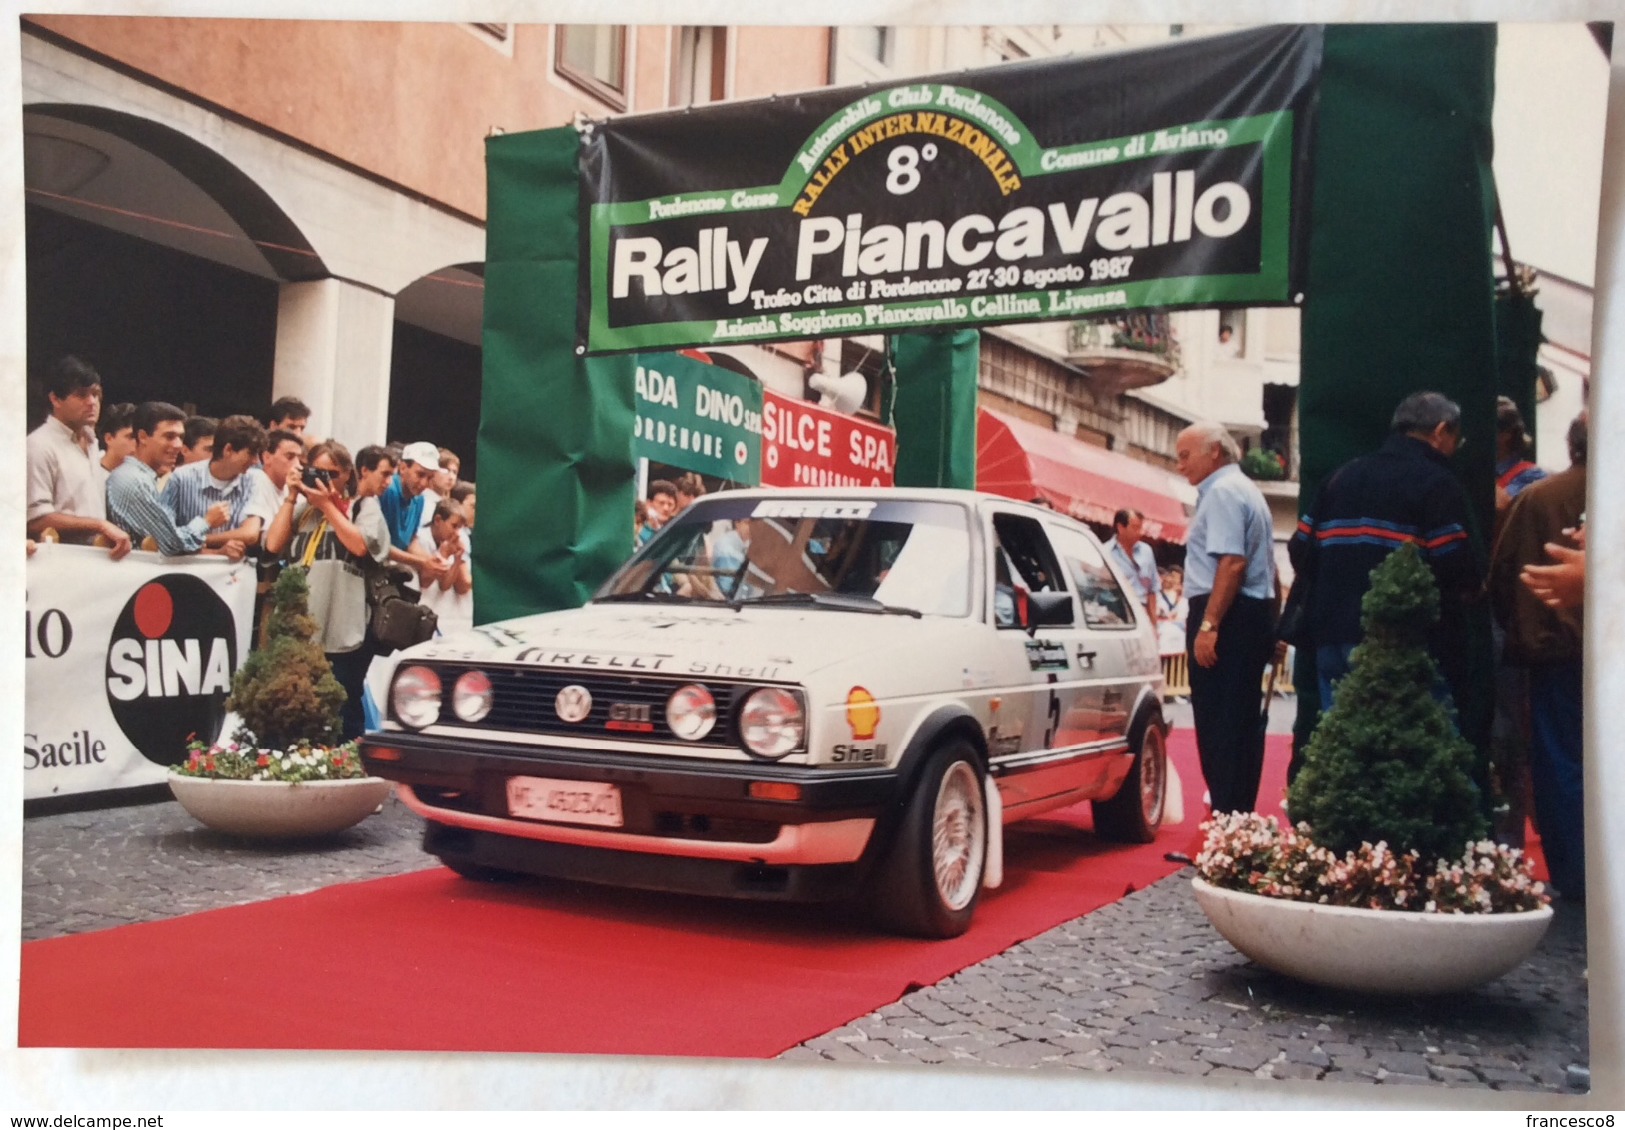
(573, 703)
(632, 716)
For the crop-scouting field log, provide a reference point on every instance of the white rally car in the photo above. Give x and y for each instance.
(795, 695)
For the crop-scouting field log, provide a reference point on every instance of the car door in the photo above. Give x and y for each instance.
(1034, 759)
(1108, 636)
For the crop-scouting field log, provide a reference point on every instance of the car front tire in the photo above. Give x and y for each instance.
(932, 880)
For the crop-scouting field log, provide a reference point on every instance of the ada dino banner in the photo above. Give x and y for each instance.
(698, 416)
(123, 662)
(1056, 189)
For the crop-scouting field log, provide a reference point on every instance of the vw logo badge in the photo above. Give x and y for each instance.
(573, 703)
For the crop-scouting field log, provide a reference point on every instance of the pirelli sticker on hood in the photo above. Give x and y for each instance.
(1060, 189)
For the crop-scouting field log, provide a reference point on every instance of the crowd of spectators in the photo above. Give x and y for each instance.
(150, 476)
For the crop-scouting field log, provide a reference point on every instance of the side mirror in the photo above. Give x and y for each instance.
(1051, 609)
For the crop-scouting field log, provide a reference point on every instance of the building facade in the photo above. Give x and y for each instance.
(222, 212)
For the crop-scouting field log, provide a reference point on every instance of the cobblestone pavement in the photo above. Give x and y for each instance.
(92, 870)
(1145, 984)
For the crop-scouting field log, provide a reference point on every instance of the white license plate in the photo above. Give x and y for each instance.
(566, 802)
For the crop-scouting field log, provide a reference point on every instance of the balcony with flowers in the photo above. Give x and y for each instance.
(1125, 351)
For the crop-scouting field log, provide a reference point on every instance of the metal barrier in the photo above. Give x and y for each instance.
(1176, 677)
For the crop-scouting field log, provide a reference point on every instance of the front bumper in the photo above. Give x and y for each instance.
(687, 824)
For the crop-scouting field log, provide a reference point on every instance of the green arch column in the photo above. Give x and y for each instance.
(1400, 291)
(557, 478)
(934, 407)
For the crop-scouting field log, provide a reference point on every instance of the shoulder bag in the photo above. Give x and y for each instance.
(394, 615)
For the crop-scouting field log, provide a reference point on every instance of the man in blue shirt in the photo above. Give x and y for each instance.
(236, 445)
(1131, 553)
(132, 489)
(402, 504)
(1231, 586)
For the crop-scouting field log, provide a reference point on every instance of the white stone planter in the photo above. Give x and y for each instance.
(279, 809)
(1373, 951)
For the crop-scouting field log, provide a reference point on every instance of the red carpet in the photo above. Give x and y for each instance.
(432, 962)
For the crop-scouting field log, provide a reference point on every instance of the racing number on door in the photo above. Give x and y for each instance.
(1054, 714)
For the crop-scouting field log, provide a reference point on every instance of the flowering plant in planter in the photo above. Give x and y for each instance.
(1388, 816)
(299, 762)
(287, 699)
(286, 774)
(1244, 851)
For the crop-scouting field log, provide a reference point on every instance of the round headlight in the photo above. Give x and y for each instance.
(772, 722)
(416, 697)
(471, 696)
(691, 712)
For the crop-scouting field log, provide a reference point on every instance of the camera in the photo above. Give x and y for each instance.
(313, 475)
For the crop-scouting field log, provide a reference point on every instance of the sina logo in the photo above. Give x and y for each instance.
(169, 666)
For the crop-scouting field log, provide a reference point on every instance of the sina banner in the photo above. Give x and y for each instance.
(124, 662)
(1056, 189)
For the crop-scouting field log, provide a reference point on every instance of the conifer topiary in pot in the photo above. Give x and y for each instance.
(285, 774)
(1386, 882)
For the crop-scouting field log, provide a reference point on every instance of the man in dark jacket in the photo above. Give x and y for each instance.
(1402, 492)
(1549, 643)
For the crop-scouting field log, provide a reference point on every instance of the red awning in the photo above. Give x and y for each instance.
(1026, 461)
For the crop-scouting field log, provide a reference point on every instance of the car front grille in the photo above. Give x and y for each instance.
(524, 700)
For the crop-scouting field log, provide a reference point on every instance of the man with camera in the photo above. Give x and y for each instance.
(332, 537)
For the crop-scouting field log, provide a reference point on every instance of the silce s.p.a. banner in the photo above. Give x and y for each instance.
(1058, 189)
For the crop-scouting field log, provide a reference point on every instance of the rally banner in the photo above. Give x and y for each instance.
(804, 445)
(697, 416)
(1055, 189)
(124, 661)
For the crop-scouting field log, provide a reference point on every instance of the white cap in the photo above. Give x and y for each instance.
(422, 453)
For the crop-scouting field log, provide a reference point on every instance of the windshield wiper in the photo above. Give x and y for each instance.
(845, 601)
(652, 596)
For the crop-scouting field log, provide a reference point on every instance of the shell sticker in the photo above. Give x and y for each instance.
(862, 714)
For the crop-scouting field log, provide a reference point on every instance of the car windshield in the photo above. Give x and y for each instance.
(859, 555)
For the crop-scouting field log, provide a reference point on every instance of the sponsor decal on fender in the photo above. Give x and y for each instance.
(862, 713)
(170, 661)
(859, 754)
